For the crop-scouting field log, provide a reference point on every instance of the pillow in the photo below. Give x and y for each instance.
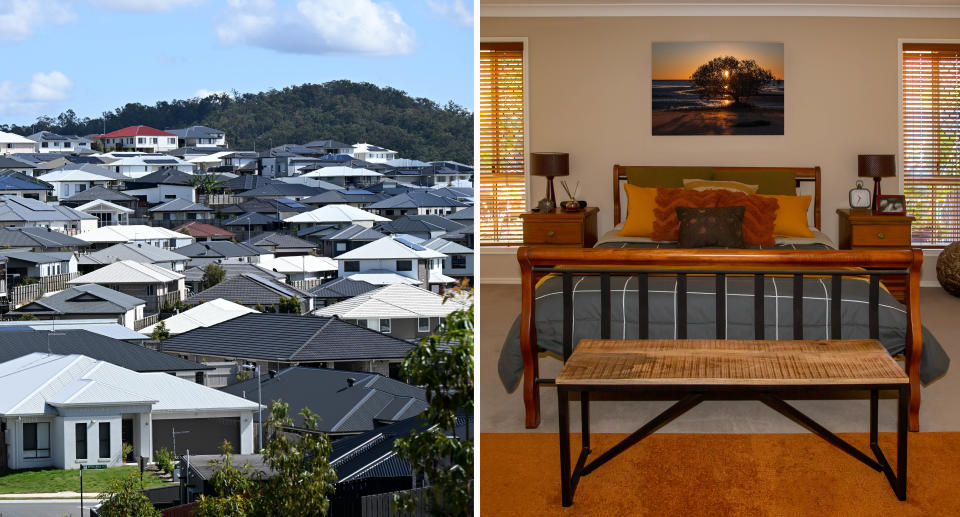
(668, 177)
(640, 204)
(769, 181)
(733, 186)
(702, 227)
(792, 217)
(665, 224)
(758, 217)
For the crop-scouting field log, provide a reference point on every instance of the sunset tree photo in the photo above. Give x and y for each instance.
(727, 77)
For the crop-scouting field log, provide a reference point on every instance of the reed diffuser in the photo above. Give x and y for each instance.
(571, 205)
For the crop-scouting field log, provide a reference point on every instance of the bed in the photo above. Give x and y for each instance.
(628, 288)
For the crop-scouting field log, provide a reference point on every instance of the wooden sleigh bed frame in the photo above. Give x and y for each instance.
(539, 261)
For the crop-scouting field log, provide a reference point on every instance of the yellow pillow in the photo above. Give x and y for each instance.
(734, 186)
(792, 217)
(640, 204)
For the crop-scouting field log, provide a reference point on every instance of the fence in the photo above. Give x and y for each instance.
(26, 293)
(305, 285)
(146, 322)
(380, 505)
(212, 200)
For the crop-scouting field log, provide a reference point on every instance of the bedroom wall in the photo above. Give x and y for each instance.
(589, 95)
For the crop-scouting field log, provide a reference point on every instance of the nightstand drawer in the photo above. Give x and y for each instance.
(552, 233)
(894, 235)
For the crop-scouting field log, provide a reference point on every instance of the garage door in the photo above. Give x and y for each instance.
(200, 435)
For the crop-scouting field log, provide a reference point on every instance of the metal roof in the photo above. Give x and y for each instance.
(99, 192)
(337, 171)
(203, 315)
(393, 301)
(299, 264)
(196, 132)
(101, 205)
(179, 204)
(412, 223)
(279, 241)
(128, 272)
(130, 232)
(251, 218)
(335, 214)
(34, 237)
(101, 326)
(136, 251)
(448, 247)
(354, 232)
(388, 248)
(81, 299)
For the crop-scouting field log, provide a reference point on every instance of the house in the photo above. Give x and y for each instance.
(416, 202)
(67, 182)
(88, 301)
(325, 147)
(354, 197)
(255, 291)
(66, 410)
(11, 143)
(205, 232)
(13, 164)
(222, 252)
(107, 213)
(464, 216)
(155, 285)
(24, 265)
(138, 138)
(425, 227)
(137, 166)
(204, 315)
(163, 185)
(339, 289)
(344, 176)
(459, 261)
(343, 215)
(98, 193)
(250, 223)
(302, 267)
(22, 211)
(136, 233)
(107, 327)
(277, 208)
(200, 136)
(15, 183)
(345, 239)
(395, 261)
(462, 236)
(137, 252)
(281, 244)
(280, 189)
(194, 275)
(47, 142)
(177, 211)
(40, 240)
(276, 341)
(372, 153)
(401, 310)
(345, 402)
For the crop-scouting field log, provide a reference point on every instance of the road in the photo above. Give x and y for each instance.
(45, 508)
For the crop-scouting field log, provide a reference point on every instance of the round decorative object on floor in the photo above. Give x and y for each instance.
(948, 269)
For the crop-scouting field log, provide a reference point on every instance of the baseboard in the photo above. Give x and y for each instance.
(929, 283)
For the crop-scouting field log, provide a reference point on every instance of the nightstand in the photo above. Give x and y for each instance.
(861, 229)
(559, 228)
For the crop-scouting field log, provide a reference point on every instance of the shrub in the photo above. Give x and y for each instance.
(164, 459)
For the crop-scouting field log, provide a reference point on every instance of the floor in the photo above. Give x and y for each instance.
(502, 412)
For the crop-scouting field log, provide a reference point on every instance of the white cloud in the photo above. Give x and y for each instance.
(43, 88)
(203, 92)
(362, 27)
(20, 18)
(141, 6)
(453, 10)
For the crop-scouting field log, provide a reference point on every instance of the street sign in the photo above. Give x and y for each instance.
(93, 467)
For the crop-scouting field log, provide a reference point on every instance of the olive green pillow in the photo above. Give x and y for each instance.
(666, 177)
(770, 182)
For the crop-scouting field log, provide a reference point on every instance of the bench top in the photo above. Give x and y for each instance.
(692, 362)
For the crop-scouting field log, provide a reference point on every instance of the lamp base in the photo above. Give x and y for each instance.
(876, 195)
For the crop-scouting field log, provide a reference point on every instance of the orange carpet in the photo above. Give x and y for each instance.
(719, 475)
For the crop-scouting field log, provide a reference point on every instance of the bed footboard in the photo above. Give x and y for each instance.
(537, 262)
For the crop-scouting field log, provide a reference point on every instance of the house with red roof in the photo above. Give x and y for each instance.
(205, 232)
(139, 138)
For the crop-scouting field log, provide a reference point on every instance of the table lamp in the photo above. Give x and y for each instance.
(876, 166)
(549, 165)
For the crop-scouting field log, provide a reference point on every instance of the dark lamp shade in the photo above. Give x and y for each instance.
(876, 165)
(549, 164)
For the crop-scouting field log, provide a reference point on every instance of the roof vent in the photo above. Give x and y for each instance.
(351, 381)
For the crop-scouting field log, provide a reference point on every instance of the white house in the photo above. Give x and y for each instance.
(394, 261)
(23, 211)
(64, 411)
(107, 213)
(372, 153)
(12, 143)
(153, 284)
(339, 214)
(138, 166)
(136, 233)
(302, 267)
(67, 182)
(47, 142)
(459, 261)
(343, 176)
(200, 136)
(139, 138)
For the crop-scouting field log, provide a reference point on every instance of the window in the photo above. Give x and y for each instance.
(351, 266)
(67, 145)
(36, 440)
(361, 323)
(44, 144)
(80, 435)
(502, 178)
(340, 246)
(172, 141)
(423, 324)
(151, 289)
(458, 262)
(931, 127)
(385, 326)
(104, 439)
(404, 265)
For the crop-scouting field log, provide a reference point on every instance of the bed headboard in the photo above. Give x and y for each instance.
(800, 174)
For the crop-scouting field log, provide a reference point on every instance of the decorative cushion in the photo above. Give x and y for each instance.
(666, 177)
(792, 217)
(666, 225)
(733, 186)
(948, 269)
(758, 218)
(640, 204)
(702, 227)
(769, 181)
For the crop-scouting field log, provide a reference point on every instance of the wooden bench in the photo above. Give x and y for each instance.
(759, 370)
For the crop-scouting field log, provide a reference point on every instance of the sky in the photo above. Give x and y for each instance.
(678, 60)
(96, 55)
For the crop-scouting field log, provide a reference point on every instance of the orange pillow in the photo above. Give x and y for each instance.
(640, 204)
(666, 224)
(792, 217)
(758, 218)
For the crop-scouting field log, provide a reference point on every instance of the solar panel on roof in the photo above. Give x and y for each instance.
(160, 161)
(291, 203)
(414, 247)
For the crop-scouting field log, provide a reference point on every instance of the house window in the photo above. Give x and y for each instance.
(67, 145)
(172, 141)
(104, 439)
(931, 157)
(351, 266)
(361, 323)
(340, 246)
(44, 144)
(458, 262)
(153, 140)
(385, 326)
(141, 140)
(151, 290)
(80, 437)
(404, 265)
(36, 440)
(423, 324)
(502, 178)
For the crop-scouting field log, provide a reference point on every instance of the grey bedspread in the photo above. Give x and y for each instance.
(701, 310)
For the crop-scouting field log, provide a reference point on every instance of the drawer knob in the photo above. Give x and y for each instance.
(551, 234)
(880, 235)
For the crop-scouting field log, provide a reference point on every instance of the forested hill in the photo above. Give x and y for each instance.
(342, 110)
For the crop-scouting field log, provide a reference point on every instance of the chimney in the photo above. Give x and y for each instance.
(351, 381)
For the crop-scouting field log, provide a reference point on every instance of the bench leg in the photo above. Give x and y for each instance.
(585, 420)
(904, 402)
(914, 398)
(563, 410)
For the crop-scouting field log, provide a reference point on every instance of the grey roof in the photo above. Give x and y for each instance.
(14, 208)
(416, 199)
(247, 182)
(195, 274)
(165, 176)
(91, 168)
(195, 132)
(467, 214)
(250, 218)
(138, 252)
(178, 204)
(250, 289)
(354, 232)
(342, 288)
(101, 193)
(320, 229)
(17, 343)
(371, 400)
(36, 237)
(345, 196)
(82, 299)
(419, 223)
(46, 257)
(279, 241)
(7, 162)
(459, 233)
(220, 249)
(266, 206)
(327, 144)
(289, 338)
(281, 189)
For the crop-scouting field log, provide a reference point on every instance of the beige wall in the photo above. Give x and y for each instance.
(589, 95)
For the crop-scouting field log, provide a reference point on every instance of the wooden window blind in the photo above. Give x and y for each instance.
(931, 141)
(502, 178)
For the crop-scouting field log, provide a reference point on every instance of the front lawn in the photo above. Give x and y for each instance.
(55, 480)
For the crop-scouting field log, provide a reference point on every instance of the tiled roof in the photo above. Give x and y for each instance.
(82, 299)
(196, 229)
(416, 199)
(34, 237)
(195, 274)
(135, 131)
(411, 223)
(342, 288)
(220, 249)
(281, 189)
(279, 241)
(100, 192)
(165, 176)
(138, 252)
(250, 289)
(178, 204)
(354, 232)
(250, 218)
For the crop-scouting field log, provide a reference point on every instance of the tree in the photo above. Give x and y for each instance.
(290, 305)
(213, 274)
(443, 365)
(729, 77)
(205, 183)
(160, 332)
(125, 499)
(234, 488)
